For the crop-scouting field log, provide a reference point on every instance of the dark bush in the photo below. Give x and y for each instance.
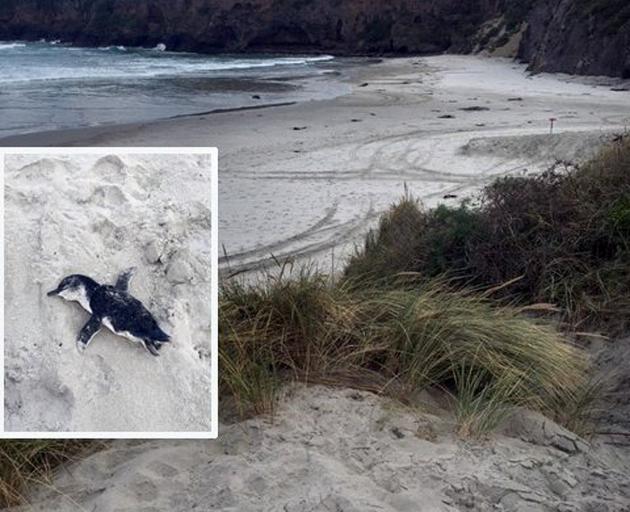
(563, 236)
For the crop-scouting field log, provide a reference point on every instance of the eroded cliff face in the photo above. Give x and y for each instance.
(575, 36)
(578, 36)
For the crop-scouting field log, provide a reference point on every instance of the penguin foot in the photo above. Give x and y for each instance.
(81, 346)
(152, 348)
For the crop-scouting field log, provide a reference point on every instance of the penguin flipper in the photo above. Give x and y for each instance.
(87, 333)
(122, 283)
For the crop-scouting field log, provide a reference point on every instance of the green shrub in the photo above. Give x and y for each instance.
(409, 238)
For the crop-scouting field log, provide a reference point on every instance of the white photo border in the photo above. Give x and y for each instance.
(214, 277)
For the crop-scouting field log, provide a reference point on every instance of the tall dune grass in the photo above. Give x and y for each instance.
(391, 339)
(27, 462)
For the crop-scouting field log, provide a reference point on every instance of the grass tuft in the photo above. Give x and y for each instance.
(482, 404)
(27, 462)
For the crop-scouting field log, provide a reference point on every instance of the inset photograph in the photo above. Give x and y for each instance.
(109, 292)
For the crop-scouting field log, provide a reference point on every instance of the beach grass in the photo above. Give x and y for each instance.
(29, 462)
(393, 339)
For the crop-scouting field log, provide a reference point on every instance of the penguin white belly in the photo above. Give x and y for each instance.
(79, 295)
(125, 334)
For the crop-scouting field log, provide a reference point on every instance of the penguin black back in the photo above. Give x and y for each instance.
(113, 307)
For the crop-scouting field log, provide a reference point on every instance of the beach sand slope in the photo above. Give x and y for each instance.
(350, 451)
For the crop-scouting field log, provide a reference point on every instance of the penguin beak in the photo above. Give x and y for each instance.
(54, 292)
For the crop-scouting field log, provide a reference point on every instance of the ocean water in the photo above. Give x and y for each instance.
(48, 86)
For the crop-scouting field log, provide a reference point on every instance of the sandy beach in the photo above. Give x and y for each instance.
(308, 179)
(98, 215)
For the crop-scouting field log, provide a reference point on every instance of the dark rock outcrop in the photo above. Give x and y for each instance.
(590, 37)
(575, 36)
(338, 26)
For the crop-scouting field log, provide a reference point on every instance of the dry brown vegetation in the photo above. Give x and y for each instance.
(24, 462)
(393, 339)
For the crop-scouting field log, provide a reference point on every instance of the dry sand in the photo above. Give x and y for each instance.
(298, 180)
(98, 215)
(348, 451)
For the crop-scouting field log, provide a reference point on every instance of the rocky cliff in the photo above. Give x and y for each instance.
(576, 36)
(356, 26)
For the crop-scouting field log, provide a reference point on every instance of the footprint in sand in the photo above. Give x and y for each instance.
(42, 168)
(163, 470)
(113, 171)
(143, 489)
(111, 167)
(105, 380)
(109, 196)
(110, 233)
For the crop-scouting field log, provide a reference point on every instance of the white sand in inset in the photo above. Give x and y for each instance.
(98, 215)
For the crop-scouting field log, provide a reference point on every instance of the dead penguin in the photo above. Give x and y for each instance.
(113, 307)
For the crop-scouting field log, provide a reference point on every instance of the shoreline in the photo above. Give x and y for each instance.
(110, 133)
(54, 90)
(288, 51)
(74, 136)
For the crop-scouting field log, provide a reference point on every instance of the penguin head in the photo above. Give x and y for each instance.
(75, 288)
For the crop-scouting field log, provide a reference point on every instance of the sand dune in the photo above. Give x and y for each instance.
(350, 451)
